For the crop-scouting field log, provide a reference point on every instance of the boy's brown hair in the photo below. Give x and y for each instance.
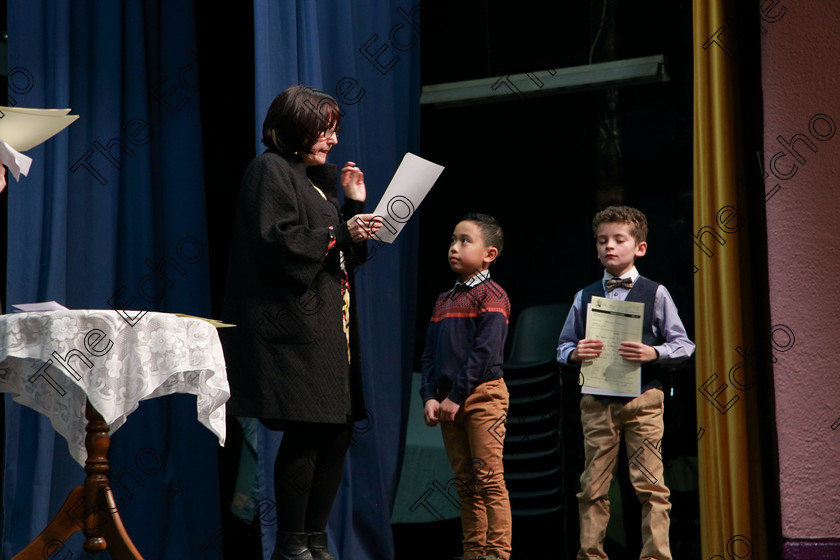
(623, 215)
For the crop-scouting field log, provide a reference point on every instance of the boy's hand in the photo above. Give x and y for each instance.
(448, 410)
(430, 412)
(586, 349)
(637, 352)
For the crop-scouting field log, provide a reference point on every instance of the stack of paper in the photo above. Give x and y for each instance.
(22, 129)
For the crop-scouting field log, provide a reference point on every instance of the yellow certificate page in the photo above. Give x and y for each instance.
(613, 321)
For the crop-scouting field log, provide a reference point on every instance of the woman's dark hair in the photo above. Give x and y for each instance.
(297, 117)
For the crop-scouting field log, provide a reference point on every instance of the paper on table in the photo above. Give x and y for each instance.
(216, 323)
(409, 186)
(23, 128)
(17, 163)
(42, 306)
(613, 321)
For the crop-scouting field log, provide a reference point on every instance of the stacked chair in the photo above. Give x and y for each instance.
(534, 456)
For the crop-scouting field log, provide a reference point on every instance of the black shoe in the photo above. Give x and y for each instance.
(318, 546)
(292, 546)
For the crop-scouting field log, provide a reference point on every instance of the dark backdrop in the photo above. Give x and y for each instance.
(533, 163)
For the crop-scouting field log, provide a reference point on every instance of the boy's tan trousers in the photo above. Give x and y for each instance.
(474, 443)
(640, 421)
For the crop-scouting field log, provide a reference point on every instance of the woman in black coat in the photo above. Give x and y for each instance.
(293, 360)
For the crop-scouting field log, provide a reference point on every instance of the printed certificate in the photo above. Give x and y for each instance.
(613, 321)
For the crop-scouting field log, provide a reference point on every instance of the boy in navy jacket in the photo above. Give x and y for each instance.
(462, 386)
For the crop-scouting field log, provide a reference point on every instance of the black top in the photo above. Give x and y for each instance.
(287, 358)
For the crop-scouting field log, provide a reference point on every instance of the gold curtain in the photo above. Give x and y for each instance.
(731, 500)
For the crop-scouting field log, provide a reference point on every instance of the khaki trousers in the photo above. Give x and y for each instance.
(640, 420)
(474, 443)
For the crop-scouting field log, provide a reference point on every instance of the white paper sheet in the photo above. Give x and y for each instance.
(17, 163)
(410, 185)
(42, 306)
(613, 321)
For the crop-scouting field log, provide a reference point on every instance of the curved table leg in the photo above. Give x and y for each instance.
(90, 508)
(53, 537)
(119, 543)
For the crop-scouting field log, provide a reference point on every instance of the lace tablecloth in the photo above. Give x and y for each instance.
(54, 361)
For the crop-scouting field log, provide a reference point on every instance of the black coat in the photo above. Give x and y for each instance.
(287, 357)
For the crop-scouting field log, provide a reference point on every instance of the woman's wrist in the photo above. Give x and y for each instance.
(342, 235)
(352, 206)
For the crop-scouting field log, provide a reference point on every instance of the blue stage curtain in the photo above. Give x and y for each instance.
(121, 188)
(366, 54)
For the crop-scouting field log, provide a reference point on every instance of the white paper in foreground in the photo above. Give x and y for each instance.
(17, 163)
(411, 183)
(42, 306)
(613, 321)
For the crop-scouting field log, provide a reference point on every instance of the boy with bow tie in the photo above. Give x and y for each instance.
(620, 238)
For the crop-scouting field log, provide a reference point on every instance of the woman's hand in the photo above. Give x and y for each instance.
(363, 226)
(353, 182)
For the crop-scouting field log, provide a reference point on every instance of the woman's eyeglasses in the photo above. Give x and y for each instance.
(330, 132)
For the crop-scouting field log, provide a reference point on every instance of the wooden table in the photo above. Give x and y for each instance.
(87, 370)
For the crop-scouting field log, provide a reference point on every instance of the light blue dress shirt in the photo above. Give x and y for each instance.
(666, 325)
